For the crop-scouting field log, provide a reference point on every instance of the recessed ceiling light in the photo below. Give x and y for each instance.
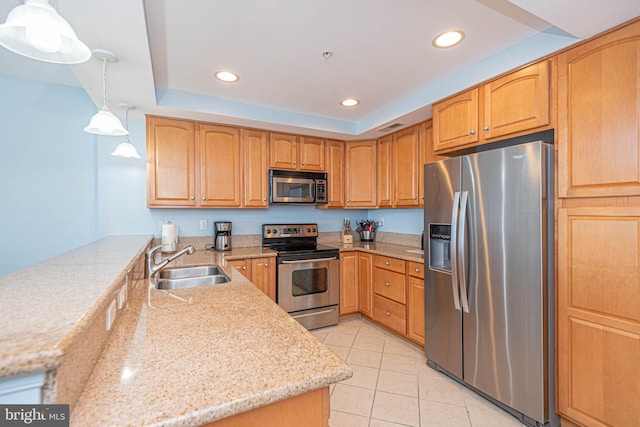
(227, 76)
(349, 102)
(448, 38)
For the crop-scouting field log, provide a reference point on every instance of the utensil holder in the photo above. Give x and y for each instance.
(367, 236)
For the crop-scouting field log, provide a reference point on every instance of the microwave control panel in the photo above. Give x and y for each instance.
(270, 231)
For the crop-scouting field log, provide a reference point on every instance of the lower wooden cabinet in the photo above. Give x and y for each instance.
(598, 320)
(389, 293)
(312, 407)
(390, 314)
(365, 284)
(260, 271)
(415, 302)
(348, 282)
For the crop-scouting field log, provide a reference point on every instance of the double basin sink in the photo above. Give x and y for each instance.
(189, 277)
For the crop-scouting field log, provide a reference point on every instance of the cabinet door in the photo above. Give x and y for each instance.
(283, 149)
(256, 181)
(455, 121)
(598, 116)
(335, 173)
(263, 275)
(365, 283)
(385, 189)
(415, 302)
(243, 266)
(598, 329)
(406, 167)
(171, 162)
(360, 174)
(517, 102)
(312, 151)
(426, 155)
(220, 165)
(348, 283)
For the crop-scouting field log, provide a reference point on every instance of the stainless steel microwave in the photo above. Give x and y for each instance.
(294, 187)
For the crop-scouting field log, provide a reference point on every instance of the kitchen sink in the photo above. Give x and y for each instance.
(189, 277)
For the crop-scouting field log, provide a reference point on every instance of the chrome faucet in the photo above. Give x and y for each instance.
(154, 268)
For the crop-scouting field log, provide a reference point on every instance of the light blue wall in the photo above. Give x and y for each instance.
(61, 188)
(47, 171)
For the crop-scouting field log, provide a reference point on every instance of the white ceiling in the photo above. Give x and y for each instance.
(382, 55)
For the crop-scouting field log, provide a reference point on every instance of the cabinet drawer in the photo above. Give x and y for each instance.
(394, 264)
(415, 269)
(389, 313)
(389, 284)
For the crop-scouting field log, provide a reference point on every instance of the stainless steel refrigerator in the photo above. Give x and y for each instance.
(488, 221)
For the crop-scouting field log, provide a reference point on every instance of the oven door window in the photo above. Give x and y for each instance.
(309, 281)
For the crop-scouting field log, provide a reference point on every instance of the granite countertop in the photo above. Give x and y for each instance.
(44, 306)
(407, 253)
(192, 356)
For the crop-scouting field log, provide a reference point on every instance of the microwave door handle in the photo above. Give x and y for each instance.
(453, 251)
(464, 294)
(309, 260)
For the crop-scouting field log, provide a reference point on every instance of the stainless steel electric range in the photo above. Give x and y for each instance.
(308, 274)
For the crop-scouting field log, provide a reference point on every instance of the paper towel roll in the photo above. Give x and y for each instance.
(169, 237)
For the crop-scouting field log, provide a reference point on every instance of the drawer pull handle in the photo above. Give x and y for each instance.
(386, 263)
(387, 284)
(387, 313)
(417, 270)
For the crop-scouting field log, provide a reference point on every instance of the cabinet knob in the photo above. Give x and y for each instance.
(264, 200)
(387, 284)
(415, 198)
(486, 128)
(341, 259)
(472, 132)
(204, 198)
(192, 198)
(266, 265)
(417, 270)
(386, 263)
(348, 201)
(302, 163)
(244, 268)
(421, 197)
(387, 313)
(295, 163)
(387, 199)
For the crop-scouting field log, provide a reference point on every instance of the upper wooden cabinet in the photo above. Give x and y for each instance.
(384, 171)
(335, 173)
(513, 104)
(202, 165)
(255, 145)
(406, 167)
(598, 116)
(360, 174)
(219, 149)
(296, 152)
(426, 155)
(171, 162)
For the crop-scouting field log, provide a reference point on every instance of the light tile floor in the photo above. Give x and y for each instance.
(393, 386)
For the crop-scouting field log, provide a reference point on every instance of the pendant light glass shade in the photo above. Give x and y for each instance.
(104, 122)
(126, 149)
(35, 30)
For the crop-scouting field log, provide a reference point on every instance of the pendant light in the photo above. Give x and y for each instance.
(104, 122)
(35, 30)
(126, 149)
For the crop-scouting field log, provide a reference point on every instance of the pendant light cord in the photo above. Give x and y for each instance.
(104, 80)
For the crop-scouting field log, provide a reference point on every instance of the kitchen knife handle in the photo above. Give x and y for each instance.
(453, 252)
(462, 252)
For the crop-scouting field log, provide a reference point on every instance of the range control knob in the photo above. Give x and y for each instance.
(314, 230)
(268, 231)
(308, 230)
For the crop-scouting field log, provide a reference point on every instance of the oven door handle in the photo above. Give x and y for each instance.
(309, 260)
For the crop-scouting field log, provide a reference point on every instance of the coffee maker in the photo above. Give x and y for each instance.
(222, 238)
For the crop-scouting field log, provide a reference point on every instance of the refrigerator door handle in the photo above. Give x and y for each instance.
(462, 252)
(453, 252)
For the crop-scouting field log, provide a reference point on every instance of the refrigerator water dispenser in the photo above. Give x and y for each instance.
(439, 247)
